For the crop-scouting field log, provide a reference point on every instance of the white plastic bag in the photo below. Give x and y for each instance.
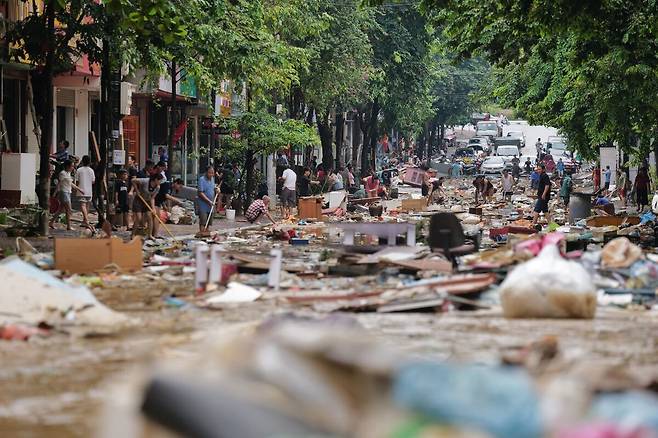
(548, 286)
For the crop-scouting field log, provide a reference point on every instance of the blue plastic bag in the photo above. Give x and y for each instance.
(499, 401)
(632, 409)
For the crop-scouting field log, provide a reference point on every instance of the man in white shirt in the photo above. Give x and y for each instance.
(508, 185)
(288, 193)
(85, 178)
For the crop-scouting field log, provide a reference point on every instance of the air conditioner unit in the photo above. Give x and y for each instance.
(126, 97)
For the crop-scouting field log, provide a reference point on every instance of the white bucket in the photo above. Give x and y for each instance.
(230, 215)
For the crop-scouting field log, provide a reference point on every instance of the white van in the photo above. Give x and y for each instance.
(508, 152)
(488, 128)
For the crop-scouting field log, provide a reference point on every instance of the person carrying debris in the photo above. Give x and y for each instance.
(507, 183)
(206, 192)
(438, 194)
(258, 208)
(543, 194)
(483, 188)
(144, 204)
(64, 188)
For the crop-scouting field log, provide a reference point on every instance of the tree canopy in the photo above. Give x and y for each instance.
(586, 67)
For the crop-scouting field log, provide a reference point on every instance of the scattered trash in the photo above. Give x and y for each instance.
(499, 401)
(235, 293)
(620, 253)
(35, 296)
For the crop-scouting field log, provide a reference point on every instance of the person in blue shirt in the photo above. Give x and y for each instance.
(206, 196)
(62, 153)
(456, 170)
(560, 167)
(607, 174)
(602, 200)
(534, 179)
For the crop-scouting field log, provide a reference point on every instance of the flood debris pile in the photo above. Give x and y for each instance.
(317, 371)
(293, 376)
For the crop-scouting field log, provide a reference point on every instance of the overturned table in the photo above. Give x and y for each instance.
(389, 230)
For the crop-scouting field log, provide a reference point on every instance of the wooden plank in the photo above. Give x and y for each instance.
(414, 204)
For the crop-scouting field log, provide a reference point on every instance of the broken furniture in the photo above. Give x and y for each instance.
(447, 236)
(389, 230)
(310, 207)
(81, 256)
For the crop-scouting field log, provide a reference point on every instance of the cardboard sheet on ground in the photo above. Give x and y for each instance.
(82, 256)
(31, 295)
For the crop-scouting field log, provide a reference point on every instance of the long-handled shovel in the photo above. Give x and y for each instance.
(156, 216)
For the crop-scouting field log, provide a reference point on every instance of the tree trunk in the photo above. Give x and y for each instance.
(249, 162)
(442, 135)
(249, 186)
(340, 128)
(326, 137)
(172, 125)
(106, 129)
(44, 107)
(431, 141)
(370, 139)
(356, 141)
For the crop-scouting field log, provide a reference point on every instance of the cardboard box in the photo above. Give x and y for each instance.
(310, 208)
(414, 204)
(81, 256)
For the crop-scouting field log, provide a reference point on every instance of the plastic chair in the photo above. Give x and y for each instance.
(447, 236)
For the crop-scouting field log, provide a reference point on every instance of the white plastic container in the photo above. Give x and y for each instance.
(230, 215)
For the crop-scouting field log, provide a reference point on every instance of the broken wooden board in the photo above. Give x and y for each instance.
(437, 265)
(80, 256)
(605, 221)
(414, 204)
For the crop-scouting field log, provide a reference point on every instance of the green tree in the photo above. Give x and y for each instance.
(51, 39)
(584, 67)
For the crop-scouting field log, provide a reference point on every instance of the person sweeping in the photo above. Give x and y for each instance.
(206, 196)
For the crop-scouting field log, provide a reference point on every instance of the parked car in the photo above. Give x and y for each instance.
(556, 146)
(480, 141)
(488, 129)
(556, 139)
(464, 152)
(517, 134)
(493, 165)
(506, 141)
(507, 152)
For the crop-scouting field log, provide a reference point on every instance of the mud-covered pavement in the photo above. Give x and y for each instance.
(55, 386)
